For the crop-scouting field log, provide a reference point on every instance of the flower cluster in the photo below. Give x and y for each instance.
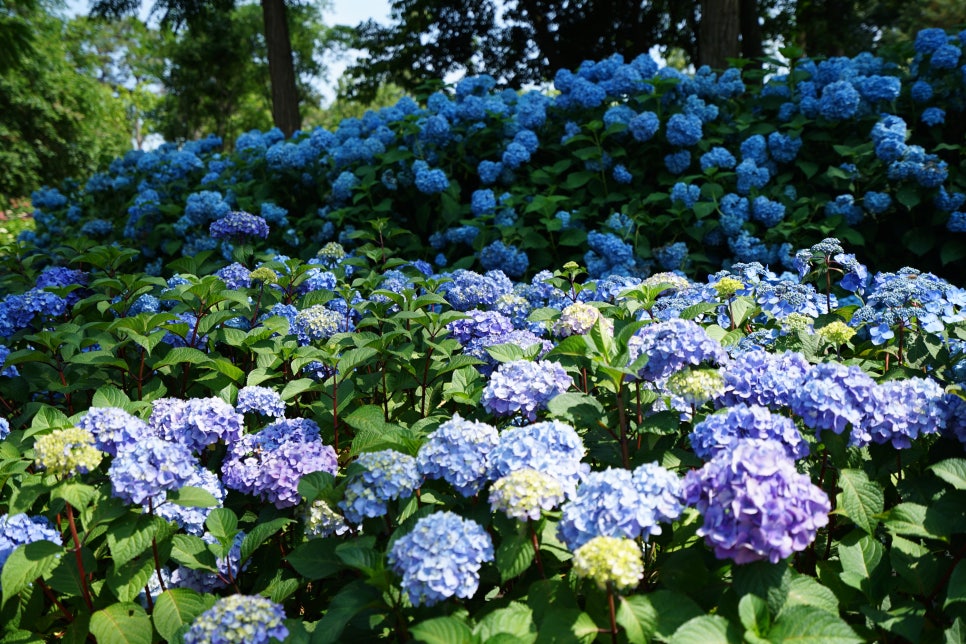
(755, 505)
(610, 561)
(322, 521)
(196, 422)
(578, 319)
(68, 451)
(239, 225)
(673, 345)
(525, 494)
(458, 452)
(523, 387)
(239, 619)
(113, 428)
(721, 431)
(385, 476)
(441, 558)
(261, 400)
(149, 468)
(550, 447)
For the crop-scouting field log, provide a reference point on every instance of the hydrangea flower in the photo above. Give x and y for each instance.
(721, 431)
(206, 581)
(385, 476)
(239, 619)
(479, 324)
(579, 318)
(551, 447)
(271, 463)
(673, 345)
(149, 468)
(441, 558)
(261, 400)
(755, 505)
(695, 386)
(113, 428)
(525, 494)
(67, 451)
(620, 503)
(457, 451)
(833, 397)
(903, 410)
(320, 521)
(196, 422)
(758, 377)
(524, 387)
(191, 519)
(610, 561)
(20, 529)
(239, 225)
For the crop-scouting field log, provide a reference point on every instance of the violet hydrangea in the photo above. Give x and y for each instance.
(458, 452)
(523, 387)
(261, 400)
(149, 468)
(673, 345)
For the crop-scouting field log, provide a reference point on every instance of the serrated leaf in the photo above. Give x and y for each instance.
(956, 587)
(861, 559)
(860, 499)
(952, 470)
(514, 556)
(124, 623)
(673, 609)
(316, 559)
(178, 607)
(193, 552)
(354, 598)
(442, 630)
(180, 355)
(223, 525)
(193, 497)
(567, 625)
(766, 580)
(126, 582)
(638, 617)
(131, 536)
(810, 624)
(110, 396)
(259, 534)
(706, 629)
(907, 519)
(26, 563)
(515, 621)
(295, 387)
(76, 494)
(806, 591)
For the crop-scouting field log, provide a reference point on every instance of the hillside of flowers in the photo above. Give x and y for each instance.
(642, 359)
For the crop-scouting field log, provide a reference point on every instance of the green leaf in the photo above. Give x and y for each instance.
(806, 591)
(178, 607)
(567, 625)
(26, 563)
(706, 629)
(354, 598)
(638, 617)
(754, 614)
(316, 559)
(77, 494)
(810, 624)
(908, 519)
(952, 470)
(515, 622)
(127, 581)
(956, 588)
(577, 408)
(179, 355)
(110, 396)
(908, 196)
(131, 536)
(860, 500)
(673, 609)
(314, 484)
(514, 556)
(124, 623)
(223, 525)
(861, 559)
(193, 497)
(193, 552)
(295, 387)
(259, 534)
(442, 630)
(766, 580)
(915, 564)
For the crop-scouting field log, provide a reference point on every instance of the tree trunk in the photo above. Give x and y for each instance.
(751, 47)
(281, 69)
(718, 33)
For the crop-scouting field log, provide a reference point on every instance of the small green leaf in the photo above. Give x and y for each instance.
(514, 556)
(316, 559)
(180, 355)
(223, 525)
(110, 396)
(193, 552)
(860, 500)
(802, 624)
(124, 623)
(178, 607)
(442, 630)
(806, 591)
(706, 629)
(754, 614)
(131, 536)
(259, 534)
(515, 622)
(638, 617)
(26, 563)
(952, 470)
(77, 494)
(193, 497)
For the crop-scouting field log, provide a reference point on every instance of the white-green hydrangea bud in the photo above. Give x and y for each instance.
(673, 281)
(331, 251)
(794, 322)
(525, 493)
(578, 319)
(836, 332)
(264, 274)
(696, 386)
(610, 560)
(727, 286)
(322, 521)
(67, 451)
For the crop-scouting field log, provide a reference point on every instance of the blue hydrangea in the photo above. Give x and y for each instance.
(483, 202)
(876, 202)
(620, 503)
(384, 476)
(903, 410)
(717, 157)
(429, 180)
(271, 463)
(929, 40)
(470, 289)
(510, 259)
(875, 88)
(840, 100)
(760, 378)
(191, 519)
(671, 257)
(489, 171)
(9, 372)
(114, 429)
(946, 57)
(551, 447)
(754, 504)
(458, 452)
(235, 276)
(523, 388)
(684, 194)
(20, 529)
(721, 431)
(768, 212)
(196, 422)
(678, 162)
(644, 126)
(933, 116)
(783, 148)
(318, 323)
(440, 558)
(835, 397)
(239, 225)
(751, 175)
(239, 619)
(673, 345)
(921, 91)
(149, 468)
(683, 130)
(621, 174)
(261, 400)
(479, 324)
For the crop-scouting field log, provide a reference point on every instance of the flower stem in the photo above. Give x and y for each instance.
(536, 548)
(80, 560)
(613, 613)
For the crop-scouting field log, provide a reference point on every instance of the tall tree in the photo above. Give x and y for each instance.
(178, 13)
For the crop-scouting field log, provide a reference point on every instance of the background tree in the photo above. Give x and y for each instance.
(55, 120)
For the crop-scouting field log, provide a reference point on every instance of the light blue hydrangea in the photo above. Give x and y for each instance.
(523, 387)
(114, 429)
(441, 558)
(261, 400)
(385, 476)
(20, 529)
(239, 619)
(674, 345)
(551, 447)
(721, 431)
(149, 468)
(458, 452)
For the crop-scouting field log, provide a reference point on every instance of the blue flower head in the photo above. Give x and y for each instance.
(523, 387)
(550, 447)
(673, 345)
(458, 452)
(239, 619)
(386, 475)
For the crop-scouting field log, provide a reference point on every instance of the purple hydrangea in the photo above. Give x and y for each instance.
(833, 397)
(149, 468)
(757, 377)
(441, 558)
(620, 503)
(755, 505)
(239, 619)
(114, 429)
(673, 345)
(261, 400)
(458, 452)
(903, 410)
(479, 324)
(385, 476)
(196, 422)
(550, 447)
(722, 430)
(523, 387)
(271, 463)
(238, 224)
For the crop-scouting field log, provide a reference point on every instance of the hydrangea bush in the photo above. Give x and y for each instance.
(253, 440)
